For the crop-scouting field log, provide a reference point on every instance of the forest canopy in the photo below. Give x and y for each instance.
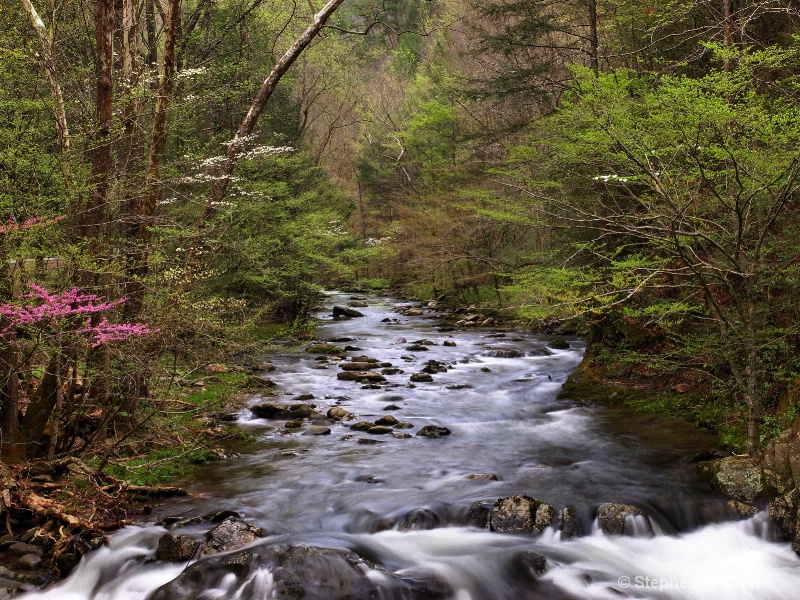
(176, 178)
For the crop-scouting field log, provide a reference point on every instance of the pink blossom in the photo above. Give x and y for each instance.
(63, 308)
(14, 226)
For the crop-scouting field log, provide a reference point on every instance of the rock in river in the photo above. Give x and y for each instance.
(278, 410)
(421, 378)
(300, 571)
(346, 312)
(357, 376)
(433, 431)
(521, 514)
(622, 519)
(176, 548)
(337, 413)
(231, 534)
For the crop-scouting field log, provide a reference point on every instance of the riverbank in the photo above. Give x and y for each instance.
(55, 511)
(341, 469)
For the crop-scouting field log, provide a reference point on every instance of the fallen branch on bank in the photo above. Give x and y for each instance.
(49, 509)
(115, 484)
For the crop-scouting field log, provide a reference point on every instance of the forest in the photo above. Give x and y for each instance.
(180, 180)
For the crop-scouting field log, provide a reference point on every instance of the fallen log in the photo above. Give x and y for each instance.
(154, 490)
(50, 509)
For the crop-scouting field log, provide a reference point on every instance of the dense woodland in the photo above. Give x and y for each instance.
(178, 177)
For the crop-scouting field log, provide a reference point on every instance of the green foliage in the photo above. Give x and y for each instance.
(276, 237)
(678, 195)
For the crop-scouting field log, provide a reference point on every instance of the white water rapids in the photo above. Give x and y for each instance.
(334, 492)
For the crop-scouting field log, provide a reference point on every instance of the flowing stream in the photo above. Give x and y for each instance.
(402, 503)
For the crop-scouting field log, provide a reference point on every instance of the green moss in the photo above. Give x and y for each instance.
(324, 349)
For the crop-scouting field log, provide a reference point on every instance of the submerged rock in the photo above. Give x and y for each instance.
(419, 519)
(478, 514)
(504, 353)
(433, 431)
(417, 348)
(358, 376)
(176, 548)
(317, 430)
(380, 430)
(483, 477)
(434, 366)
(567, 522)
(622, 519)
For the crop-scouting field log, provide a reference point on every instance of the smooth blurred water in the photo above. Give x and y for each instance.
(331, 490)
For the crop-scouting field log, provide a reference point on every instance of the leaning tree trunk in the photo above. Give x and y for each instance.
(49, 64)
(237, 145)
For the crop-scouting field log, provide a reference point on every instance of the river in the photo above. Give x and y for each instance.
(401, 502)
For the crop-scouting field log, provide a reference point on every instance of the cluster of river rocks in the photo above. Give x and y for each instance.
(360, 369)
(231, 546)
(774, 477)
(297, 570)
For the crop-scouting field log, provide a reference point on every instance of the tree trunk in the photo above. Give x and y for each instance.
(594, 39)
(10, 448)
(130, 79)
(752, 395)
(237, 144)
(142, 211)
(93, 222)
(150, 28)
(49, 64)
(40, 409)
(726, 31)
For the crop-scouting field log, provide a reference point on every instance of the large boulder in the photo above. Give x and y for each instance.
(346, 312)
(785, 513)
(298, 571)
(739, 478)
(337, 413)
(521, 514)
(781, 472)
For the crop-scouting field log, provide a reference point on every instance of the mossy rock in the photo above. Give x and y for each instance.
(325, 349)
